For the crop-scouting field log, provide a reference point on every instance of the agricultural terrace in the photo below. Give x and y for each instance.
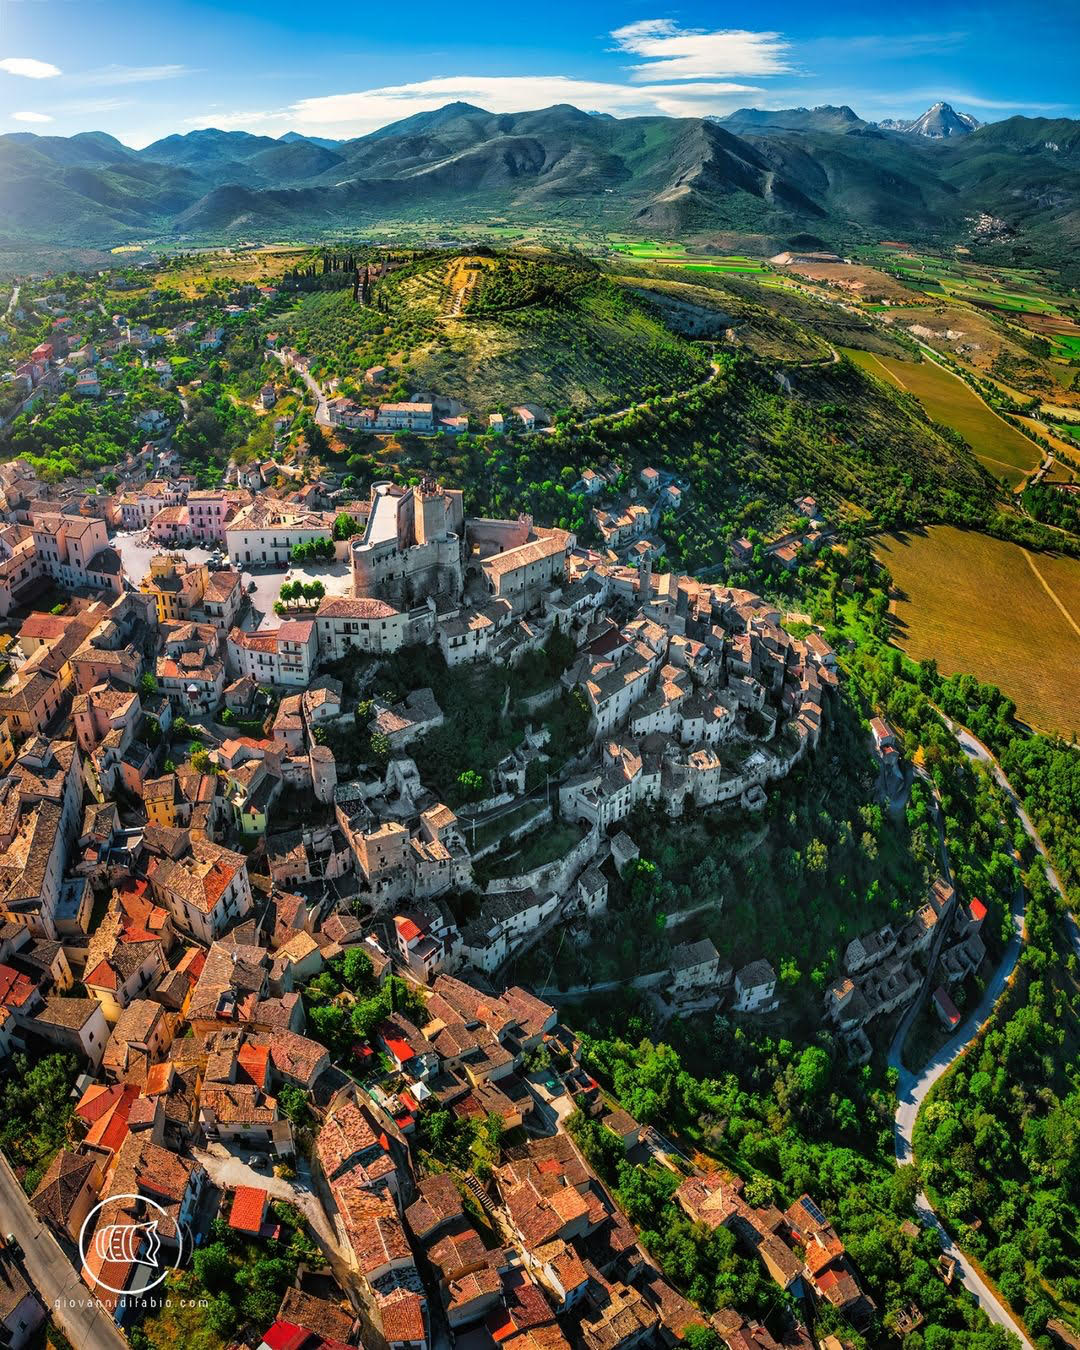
(947, 399)
(983, 605)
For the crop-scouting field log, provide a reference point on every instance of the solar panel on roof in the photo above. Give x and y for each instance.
(812, 1210)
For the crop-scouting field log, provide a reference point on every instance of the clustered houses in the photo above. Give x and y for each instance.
(175, 511)
(695, 693)
(189, 591)
(701, 697)
(417, 416)
(191, 903)
(798, 1247)
(881, 974)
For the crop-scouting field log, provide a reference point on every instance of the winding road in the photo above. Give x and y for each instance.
(912, 1088)
(322, 412)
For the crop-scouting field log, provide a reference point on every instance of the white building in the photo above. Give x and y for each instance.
(267, 531)
(347, 623)
(285, 655)
(755, 987)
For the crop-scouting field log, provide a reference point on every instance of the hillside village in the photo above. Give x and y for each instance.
(255, 919)
(183, 866)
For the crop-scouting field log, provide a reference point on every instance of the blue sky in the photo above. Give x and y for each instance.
(141, 70)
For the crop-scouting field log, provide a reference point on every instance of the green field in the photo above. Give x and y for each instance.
(1015, 289)
(680, 256)
(1009, 616)
(947, 399)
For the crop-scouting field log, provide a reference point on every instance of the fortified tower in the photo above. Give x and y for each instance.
(412, 546)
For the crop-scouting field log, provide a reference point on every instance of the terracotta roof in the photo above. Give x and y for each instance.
(402, 1315)
(248, 1208)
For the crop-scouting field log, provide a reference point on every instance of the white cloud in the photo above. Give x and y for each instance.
(676, 53)
(355, 114)
(112, 75)
(30, 117)
(236, 121)
(29, 68)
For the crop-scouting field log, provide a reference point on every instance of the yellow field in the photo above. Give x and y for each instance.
(1009, 616)
(261, 266)
(948, 400)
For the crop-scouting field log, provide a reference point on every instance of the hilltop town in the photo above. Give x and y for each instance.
(321, 787)
(183, 848)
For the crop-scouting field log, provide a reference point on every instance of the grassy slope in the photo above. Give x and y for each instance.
(974, 603)
(1002, 449)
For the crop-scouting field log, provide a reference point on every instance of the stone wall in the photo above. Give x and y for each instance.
(553, 876)
(541, 818)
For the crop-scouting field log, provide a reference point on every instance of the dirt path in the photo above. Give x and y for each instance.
(890, 374)
(1052, 593)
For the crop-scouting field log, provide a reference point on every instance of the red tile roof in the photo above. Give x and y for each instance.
(978, 909)
(401, 1050)
(15, 987)
(248, 1208)
(406, 928)
(254, 1061)
(98, 1100)
(284, 1336)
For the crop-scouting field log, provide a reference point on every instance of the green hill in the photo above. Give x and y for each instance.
(492, 332)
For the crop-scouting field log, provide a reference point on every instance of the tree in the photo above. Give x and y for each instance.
(214, 1267)
(470, 783)
(148, 685)
(357, 970)
(294, 1105)
(812, 1070)
(263, 1282)
(345, 526)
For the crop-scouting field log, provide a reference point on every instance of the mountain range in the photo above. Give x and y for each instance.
(823, 170)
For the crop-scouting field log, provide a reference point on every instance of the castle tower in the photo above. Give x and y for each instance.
(323, 773)
(430, 513)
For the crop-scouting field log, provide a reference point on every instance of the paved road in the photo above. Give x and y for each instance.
(975, 749)
(971, 1279)
(84, 1323)
(912, 1089)
(322, 413)
(12, 303)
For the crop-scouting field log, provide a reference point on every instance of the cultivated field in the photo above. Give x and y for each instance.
(1000, 447)
(679, 255)
(198, 273)
(1009, 616)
